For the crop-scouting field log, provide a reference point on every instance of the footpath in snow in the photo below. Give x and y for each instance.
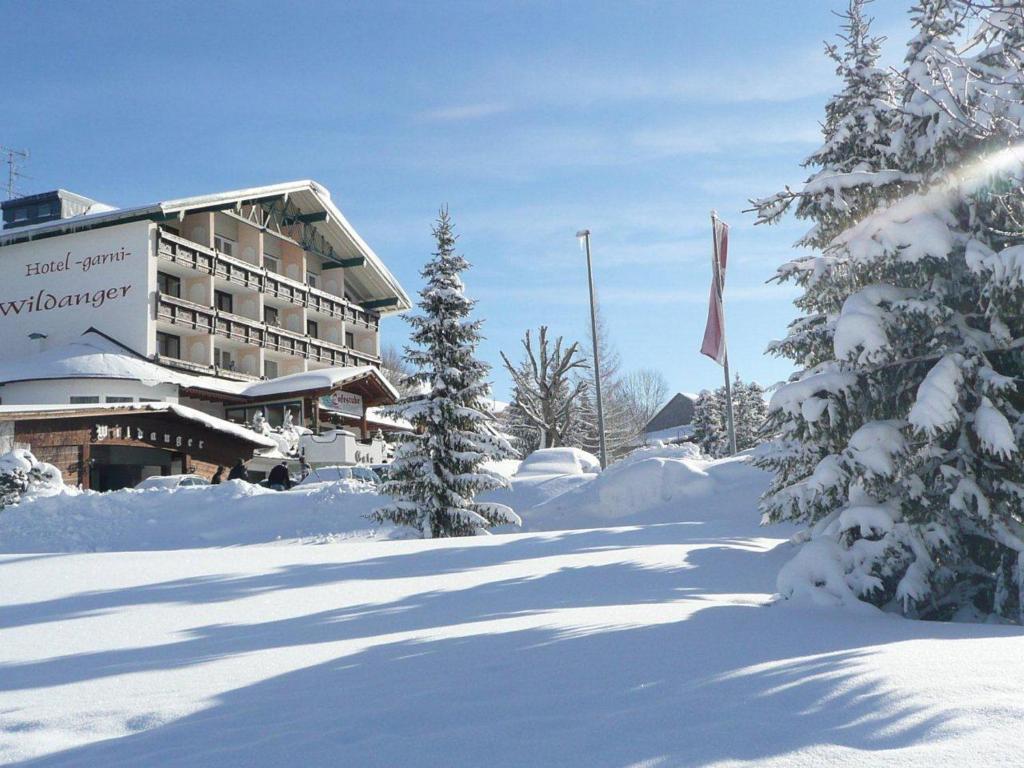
(649, 644)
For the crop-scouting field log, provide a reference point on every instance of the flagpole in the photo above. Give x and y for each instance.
(725, 363)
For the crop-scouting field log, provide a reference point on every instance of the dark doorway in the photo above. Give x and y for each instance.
(113, 467)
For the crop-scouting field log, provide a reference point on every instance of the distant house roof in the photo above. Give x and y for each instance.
(313, 199)
(677, 412)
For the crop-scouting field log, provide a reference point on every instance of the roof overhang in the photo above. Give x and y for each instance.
(363, 267)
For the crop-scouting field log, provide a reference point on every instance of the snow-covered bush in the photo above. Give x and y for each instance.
(21, 475)
(899, 440)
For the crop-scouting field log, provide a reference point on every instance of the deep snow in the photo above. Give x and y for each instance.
(654, 645)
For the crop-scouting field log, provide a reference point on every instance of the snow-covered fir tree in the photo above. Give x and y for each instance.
(899, 441)
(750, 410)
(710, 420)
(439, 469)
(709, 425)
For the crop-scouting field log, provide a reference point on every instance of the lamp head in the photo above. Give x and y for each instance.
(583, 233)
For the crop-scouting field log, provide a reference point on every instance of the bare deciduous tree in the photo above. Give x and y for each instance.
(643, 393)
(545, 396)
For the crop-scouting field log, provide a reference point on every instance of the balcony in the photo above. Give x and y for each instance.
(178, 250)
(177, 311)
(238, 328)
(239, 272)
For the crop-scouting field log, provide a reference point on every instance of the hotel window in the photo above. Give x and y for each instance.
(313, 279)
(272, 263)
(312, 329)
(224, 244)
(350, 340)
(84, 399)
(222, 359)
(224, 301)
(168, 285)
(168, 345)
(270, 369)
(117, 399)
(270, 316)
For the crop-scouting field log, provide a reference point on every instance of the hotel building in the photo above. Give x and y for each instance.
(262, 299)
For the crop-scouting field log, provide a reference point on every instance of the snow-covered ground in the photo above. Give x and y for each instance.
(650, 644)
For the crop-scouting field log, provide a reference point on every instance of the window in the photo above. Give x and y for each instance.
(270, 369)
(350, 340)
(150, 400)
(20, 214)
(222, 359)
(168, 345)
(313, 279)
(312, 329)
(272, 263)
(118, 399)
(224, 301)
(224, 244)
(270, 316)
(83, 399)
(168, 285)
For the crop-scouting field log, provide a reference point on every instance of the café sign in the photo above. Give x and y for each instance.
(343, 402)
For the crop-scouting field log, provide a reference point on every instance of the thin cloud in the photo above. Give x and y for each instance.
(463, 112)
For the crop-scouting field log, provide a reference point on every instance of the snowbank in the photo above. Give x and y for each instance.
(232, 513)
(559, 461)
(659, 484)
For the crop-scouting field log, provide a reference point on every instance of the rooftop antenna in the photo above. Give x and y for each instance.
(14, 158)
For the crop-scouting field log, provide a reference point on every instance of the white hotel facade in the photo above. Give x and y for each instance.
(249, 284)
(218, 306)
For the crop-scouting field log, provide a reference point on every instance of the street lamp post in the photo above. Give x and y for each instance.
(585, 234)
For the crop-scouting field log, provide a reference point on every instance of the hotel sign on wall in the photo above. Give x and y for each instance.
(343, 402)
(58, 287)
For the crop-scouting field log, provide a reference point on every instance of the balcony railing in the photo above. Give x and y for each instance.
(181, 251)
(178, 250)
(239, 272)
(177, 311)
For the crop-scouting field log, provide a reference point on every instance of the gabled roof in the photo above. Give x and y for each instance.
(309, 196)
(677, 412)
(321, 379)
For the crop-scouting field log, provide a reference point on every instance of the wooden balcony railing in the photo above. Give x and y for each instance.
(185, 252)
(178, 250)
(180, 312)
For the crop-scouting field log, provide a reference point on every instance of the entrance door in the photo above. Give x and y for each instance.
(123, 466)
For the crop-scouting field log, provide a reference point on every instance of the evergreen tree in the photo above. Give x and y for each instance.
(899, 441)
(710, 419)
(750, 410)
(438, 470)
(616, 417)
(710, 430)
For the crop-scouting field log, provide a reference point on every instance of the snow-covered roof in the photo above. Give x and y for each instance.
(322, 378)
(181, 411)
(309, 196)
(90, 356)
(96, 356)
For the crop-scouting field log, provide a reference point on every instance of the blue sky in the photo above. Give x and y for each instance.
(529, 120)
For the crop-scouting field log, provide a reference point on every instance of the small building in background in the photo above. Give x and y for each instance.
(674, 422)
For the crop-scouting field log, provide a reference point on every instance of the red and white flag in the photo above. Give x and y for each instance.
(714, 333)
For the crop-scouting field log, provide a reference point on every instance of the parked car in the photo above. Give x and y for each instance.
(332, 474)
(171, 481)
